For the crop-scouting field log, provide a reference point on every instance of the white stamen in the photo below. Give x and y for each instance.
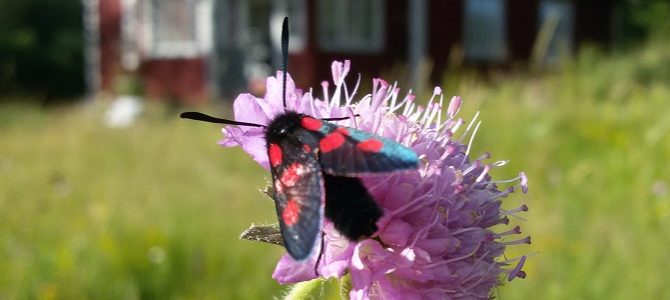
(336, 94)
(500, 163)
(469, 126)
(404, 102)
(518, 178)
(439, 116)
(457, 125)
(346, 93)
(353, 93)
(414, 115)
(481, 176)
(472, 138)
(324, 85)
(428, 110)
(408, 106)
(392, 104)
(435, 111)
(393, 99)
(473, 166)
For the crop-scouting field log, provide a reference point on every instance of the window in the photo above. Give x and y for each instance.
(351, 25)
(485, 30)
(177, 28)
(557, 17)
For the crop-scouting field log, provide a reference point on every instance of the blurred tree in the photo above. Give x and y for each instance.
(643, 19)
(41, 48)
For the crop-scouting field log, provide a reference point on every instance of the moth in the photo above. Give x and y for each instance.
(316, 167)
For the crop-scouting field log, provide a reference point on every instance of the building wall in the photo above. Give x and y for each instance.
(312, 65)
(182, 79)
(187, 79)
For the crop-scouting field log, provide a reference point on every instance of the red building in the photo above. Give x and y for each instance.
(192, 50)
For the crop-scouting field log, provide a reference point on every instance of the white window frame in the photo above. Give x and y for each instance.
(338, 28)
(199, 45)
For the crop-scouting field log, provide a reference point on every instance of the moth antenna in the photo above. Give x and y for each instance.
(284, 59)
(207, 118)
(338, 119)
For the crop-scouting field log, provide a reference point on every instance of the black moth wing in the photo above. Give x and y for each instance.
(350, 207)
(298, 195)
(344, 154)
(347, 151)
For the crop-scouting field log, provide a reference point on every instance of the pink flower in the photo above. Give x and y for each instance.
(435, 239)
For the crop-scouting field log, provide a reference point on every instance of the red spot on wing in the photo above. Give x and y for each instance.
(342, 130)
(311, 123)
(291, 213)
(290, 176)
(370, 145)
(331, 142)
(307, 148)
(274, 152)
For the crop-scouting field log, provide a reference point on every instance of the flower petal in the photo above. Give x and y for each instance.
(290, 271)
(396, 233)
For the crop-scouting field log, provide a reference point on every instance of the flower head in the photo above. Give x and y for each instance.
(435, 239)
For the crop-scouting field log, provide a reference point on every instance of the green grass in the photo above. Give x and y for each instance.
(146, 212)
(154, 211)
(595, 142)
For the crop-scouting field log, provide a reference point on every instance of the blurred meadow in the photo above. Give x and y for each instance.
(154, 211)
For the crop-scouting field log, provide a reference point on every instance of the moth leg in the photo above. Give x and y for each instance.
(318, 259)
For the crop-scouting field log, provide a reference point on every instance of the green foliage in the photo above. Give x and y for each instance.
(41, 48)
(154, 211)
(641, 19)
(593, 139)
(150, 212)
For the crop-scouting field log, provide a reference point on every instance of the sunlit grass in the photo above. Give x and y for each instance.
(150, 211)
(595, 143)
(155, 210)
